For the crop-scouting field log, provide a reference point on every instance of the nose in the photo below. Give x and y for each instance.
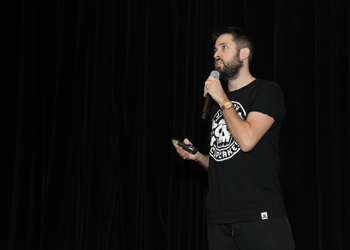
(217, 54)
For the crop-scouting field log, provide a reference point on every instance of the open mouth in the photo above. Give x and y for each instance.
(218, 63)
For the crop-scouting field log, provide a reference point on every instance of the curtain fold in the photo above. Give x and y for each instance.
(295, 64)
(98, 89)
(332, 116)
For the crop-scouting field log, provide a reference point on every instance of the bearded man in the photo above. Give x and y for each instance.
(245, 208)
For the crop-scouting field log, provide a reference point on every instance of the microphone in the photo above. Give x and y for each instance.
(208, 99)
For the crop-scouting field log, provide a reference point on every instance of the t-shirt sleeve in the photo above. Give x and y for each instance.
(268, 99)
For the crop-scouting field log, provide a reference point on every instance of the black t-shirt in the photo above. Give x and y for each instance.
(244, 186)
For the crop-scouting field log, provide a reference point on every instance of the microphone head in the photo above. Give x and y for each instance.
(215, 74)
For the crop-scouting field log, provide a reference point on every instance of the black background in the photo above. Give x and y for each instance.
(93, 91)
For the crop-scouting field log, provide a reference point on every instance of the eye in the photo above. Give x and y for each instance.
(225, 47)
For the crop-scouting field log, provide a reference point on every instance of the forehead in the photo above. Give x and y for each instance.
(224, 39)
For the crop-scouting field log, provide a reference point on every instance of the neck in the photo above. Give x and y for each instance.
(243, 79)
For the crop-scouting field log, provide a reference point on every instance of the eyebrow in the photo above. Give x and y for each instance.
(224, 43)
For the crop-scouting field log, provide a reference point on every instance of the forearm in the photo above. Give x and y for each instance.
(203, 160)
(241, 130)
(246, 132)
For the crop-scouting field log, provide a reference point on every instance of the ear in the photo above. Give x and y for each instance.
(244, 54)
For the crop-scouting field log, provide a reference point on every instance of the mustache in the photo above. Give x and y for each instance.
(219, 60)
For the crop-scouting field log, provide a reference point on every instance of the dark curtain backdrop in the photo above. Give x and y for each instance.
(95, 90)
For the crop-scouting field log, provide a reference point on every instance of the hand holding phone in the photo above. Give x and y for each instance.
(189, 148)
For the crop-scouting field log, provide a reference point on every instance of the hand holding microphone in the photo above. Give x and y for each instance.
(207, 103)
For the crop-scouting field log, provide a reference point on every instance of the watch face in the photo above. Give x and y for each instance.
(227, 105)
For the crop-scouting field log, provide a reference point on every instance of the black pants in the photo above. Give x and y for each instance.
(271, 234)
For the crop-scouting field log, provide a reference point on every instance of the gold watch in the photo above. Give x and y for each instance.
(227, 105)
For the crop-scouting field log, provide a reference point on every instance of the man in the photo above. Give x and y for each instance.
(245, 207)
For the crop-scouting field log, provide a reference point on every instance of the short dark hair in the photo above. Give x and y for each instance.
(240, 38)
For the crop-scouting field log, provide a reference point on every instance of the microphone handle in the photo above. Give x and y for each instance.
(207, 103)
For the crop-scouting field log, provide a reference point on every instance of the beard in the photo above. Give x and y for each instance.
(230, 70)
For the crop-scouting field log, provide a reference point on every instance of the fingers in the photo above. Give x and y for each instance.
(206, 90)
(187, 141)
(209, 84)
(214, 89)
(183, 153)
(206, 87)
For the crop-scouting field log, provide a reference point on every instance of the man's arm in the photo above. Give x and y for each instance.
(203, 160)
(247, 133)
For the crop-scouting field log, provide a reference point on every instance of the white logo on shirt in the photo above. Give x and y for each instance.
(222, 144)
